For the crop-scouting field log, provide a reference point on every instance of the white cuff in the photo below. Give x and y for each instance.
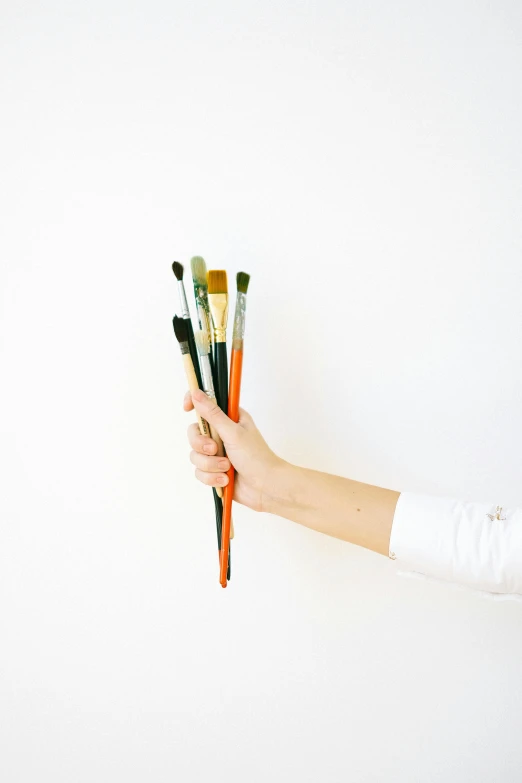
(471, 544)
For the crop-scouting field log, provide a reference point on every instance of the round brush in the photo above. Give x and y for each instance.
(177, 268)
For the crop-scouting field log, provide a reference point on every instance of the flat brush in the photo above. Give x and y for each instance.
(218, 303)
(177, 268)
(203, 347)
(236, 367)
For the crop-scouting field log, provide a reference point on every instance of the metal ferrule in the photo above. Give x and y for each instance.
(218, 304)
(239, 318)
(206, 376)
(185, 313)
(204, 318)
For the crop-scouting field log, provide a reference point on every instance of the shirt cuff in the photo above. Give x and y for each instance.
(477, 545)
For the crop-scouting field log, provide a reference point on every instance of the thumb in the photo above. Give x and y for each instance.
(211, 412)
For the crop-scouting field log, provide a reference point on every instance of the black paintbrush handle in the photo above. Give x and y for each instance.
(219, 524)
(194, 351)
(219, 515)
(221, 362)
(212, 367)
(221, 387)
(217, 500)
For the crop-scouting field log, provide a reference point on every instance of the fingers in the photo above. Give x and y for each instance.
(187, 402)
(211, 479)
(199, 442)
(210, 469)
(209, 464)
(209, 410)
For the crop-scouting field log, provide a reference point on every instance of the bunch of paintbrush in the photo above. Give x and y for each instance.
(185, 336)
(211, 370)
(204, 295)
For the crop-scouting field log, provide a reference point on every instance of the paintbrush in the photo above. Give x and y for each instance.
(218, 304)
(177, 268)
(181, 332)
(236, 367)
(203, 347)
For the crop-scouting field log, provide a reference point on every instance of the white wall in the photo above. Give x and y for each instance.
(363, 162)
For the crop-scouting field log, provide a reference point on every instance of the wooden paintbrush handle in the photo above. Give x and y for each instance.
(214, 435)
(193, 386)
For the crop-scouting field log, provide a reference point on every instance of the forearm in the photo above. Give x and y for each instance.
(359, 513)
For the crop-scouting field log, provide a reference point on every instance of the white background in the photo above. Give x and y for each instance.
(363, 161)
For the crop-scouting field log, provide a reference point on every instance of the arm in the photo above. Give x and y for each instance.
(359, 513)
(472, 544)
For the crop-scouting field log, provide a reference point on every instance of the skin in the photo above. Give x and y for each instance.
(350, 510)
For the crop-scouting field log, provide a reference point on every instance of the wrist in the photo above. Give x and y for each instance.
(281, 488)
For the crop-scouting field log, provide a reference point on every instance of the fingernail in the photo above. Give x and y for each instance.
(208, 449)
(222, 480)
(199, 395)
(223, 465)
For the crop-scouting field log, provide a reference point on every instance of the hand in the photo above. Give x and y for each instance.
(246, 449)
(359, 513)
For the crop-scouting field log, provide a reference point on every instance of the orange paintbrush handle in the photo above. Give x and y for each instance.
(228, 494)
(236, 366)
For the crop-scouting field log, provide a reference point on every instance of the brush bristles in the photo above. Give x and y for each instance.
(181, 332)
(202, 342)
(177, 268)
(242, 280)
(217, 281)
(199, 271)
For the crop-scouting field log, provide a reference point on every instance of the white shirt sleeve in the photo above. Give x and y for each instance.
(472, 544)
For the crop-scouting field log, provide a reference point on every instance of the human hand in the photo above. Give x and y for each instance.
(255, 463)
